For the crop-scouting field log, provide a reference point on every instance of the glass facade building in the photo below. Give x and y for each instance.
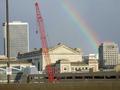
(19, 38)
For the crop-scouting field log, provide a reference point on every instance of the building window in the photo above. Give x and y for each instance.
(82, 68)
(76, 68)
(79, 69)
(65, 68)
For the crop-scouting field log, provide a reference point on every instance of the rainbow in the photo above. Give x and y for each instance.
(85, 28)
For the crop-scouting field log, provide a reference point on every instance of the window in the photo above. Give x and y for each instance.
(76, 68)
(82, 68)
(79, 69)
(65, 68)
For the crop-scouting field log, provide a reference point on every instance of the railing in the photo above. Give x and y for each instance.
(64, 77)
(74, 77)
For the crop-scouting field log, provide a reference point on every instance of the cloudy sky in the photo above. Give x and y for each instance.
(68, 21)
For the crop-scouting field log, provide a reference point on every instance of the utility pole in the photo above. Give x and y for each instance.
(8, 40)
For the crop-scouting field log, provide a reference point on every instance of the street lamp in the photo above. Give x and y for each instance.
(8, 40)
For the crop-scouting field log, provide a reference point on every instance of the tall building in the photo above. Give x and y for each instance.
(108, 55)
(19, 37)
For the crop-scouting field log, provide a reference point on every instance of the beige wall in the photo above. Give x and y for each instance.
(93, 64)
(61, 65)
(63, 52)
(65, 67)
(117, 68)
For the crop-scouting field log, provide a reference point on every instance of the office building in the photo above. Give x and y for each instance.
(108, 55)
(19, 38)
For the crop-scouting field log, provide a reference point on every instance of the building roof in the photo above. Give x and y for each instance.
(16, 62)
(37, 52)
(4, 58)
(75, 50)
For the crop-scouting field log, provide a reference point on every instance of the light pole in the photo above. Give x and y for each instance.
(8, 40)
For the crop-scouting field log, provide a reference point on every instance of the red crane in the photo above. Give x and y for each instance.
(44, 43)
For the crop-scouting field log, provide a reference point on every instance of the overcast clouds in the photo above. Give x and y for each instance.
(102, 15)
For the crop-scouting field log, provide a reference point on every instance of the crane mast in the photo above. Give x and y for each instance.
(44, 43)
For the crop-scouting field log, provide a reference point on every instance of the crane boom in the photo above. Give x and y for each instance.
(44, 43)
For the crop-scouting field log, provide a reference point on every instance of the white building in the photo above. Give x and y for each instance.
(16, 66)
(19, 37)
(93, 62)
(59, 52)
(65, 66)
(63, 60)
(108, 55)
(62, 66)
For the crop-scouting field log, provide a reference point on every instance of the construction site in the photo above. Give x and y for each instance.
(52, 78)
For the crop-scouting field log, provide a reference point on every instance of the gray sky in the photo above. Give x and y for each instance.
(102, 15)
